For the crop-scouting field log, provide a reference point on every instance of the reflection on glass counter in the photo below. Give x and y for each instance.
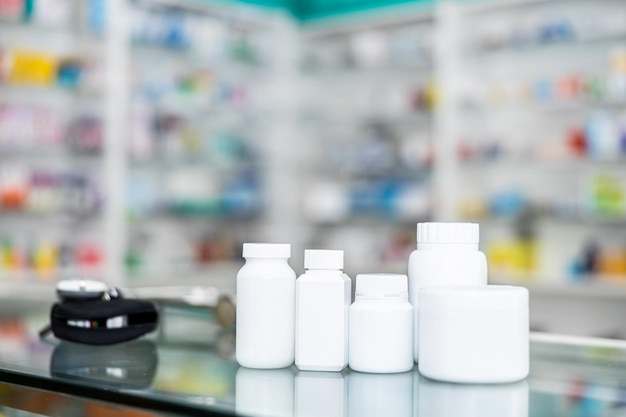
(23, 401)
(265, 392)
(374, 395)
(131, 365)
(447, 400)
(188, 367)
(321, 394)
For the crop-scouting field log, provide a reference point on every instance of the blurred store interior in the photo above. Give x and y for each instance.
(142, 142)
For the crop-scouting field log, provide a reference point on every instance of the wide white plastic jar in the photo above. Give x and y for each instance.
(476, 334)
(266, 294)
(323, 295)
(381, 325)
(447, 254)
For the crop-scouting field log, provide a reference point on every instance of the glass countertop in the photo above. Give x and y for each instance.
(22, 401)
(187, 367)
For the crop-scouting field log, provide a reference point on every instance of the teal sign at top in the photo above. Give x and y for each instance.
(314, 9)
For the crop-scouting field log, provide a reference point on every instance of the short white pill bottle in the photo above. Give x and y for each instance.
(381, 325)
(266, 296)
(447, 254)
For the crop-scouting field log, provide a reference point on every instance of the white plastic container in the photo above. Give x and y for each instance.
(323, 295)
(447, 254)
(476, 334)
(266, 296)
(381, 325)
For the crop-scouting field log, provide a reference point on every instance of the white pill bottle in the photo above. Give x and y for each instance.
(323, 295)
(381, 325)
(266, 298)
(447, 254)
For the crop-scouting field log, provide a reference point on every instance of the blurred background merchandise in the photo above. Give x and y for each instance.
(143, 141)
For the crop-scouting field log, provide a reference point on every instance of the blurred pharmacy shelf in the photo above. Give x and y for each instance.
(369, 104)
(206, 110)
(37, 291)
(590, 287)
(203, 125)
(52, 134)
(525, 137)
(540, 157)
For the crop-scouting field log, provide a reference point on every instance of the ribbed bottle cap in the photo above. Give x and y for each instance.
(323, 259)
(474, 298)
(382, 286)
(447, 233)
(266, 250)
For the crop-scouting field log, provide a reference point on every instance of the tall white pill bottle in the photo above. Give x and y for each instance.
(447, 254)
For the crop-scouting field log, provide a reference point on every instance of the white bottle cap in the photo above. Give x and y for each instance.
(474, 298)
(382, 286)
(447, 233)
(266, 250)
(323, 259)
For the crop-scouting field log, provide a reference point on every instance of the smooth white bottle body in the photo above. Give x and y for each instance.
(381, 326)
(322, 312)
(444, 264)
(265, 330)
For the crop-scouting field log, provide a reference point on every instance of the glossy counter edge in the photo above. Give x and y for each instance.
(110, 396)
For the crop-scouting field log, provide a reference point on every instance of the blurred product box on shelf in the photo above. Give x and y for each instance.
(538, 27)
(409, 45)
(21, 67)
(573, 87)
(399, 200)
(48, 192)
(202, 35)
(29, 258)
(159, 251)
(56, 14)
(36, 129)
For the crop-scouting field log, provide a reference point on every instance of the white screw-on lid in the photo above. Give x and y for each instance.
(266, 250)
(474, 298)
(323, 259)
(382, 286)
(447, 233)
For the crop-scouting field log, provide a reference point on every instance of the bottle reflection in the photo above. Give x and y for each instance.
(321, 394)
(265, 392)
(125, 365)
(380, 395)
(440, 399)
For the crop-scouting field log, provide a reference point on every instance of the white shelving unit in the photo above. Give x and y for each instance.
(368, 124)
(526, 90)
(43, 227)
(332, 123)
(273, 95)
(461, 69)
(230, 128)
